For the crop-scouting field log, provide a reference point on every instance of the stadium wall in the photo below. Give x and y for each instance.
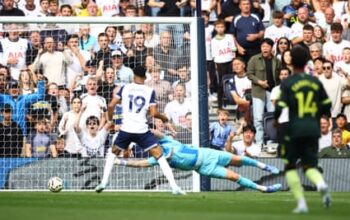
(85, 174)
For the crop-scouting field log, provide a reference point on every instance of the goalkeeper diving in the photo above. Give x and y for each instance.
(205, 161)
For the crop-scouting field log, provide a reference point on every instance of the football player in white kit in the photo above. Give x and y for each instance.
(137, 99)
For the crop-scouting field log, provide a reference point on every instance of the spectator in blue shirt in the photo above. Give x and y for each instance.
(21, 103)
(219, 131)
(248, 31)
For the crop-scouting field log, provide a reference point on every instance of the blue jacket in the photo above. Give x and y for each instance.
(22, 103)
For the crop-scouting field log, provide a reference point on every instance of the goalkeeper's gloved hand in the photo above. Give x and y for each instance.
(120, 162)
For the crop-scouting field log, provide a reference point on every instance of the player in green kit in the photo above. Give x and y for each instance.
(307, 101)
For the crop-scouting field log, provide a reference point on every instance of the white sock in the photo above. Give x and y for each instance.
(321, 186)
(302, 203)
(167, 171)
(108, 166)
(260, 165)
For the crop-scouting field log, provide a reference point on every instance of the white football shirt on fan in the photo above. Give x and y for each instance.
(242, 84)
(95, 105)
(335, 50)
(136, 100)
(93, 146)
(275, 33)
(75, 67)
(223, 49)
(254, 150)
(14, 49)
(108, 7)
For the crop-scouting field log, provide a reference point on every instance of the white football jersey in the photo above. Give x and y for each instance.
(108, 7)
(15, 50)
(93, 146)
(95, 105)
(136, 100)
(335, 50)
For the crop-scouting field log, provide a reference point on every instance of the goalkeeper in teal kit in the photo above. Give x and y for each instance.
(205, 161)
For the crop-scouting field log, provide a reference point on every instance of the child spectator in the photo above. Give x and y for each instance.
(219, 131)
(40, 143)
(223, 49)
(92, 140)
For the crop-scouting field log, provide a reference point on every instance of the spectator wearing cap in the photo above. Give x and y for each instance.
(78, 58)
(20, 103)
(123, 74)
(342, 122)
(11, 135)
(245, 147)
(262, 70)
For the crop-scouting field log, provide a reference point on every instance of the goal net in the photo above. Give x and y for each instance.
(53, 68)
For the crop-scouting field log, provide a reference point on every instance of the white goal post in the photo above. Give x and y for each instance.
(21, 172)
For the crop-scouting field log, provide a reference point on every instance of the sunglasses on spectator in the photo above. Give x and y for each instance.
(327, 68)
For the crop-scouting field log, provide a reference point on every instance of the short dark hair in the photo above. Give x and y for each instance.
(321, 59)
(336, 27)
(92, 118)
(277, 14)
(286, 68)
(308, 27)
(341, 115)
(219, 21)
(267, 41)
(249, 127)
(300, 56)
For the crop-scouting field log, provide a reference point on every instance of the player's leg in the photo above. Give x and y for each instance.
(149, 142)
(247, 161)
(310, 162)
(121, 140)
(222, 172)
(291, 151)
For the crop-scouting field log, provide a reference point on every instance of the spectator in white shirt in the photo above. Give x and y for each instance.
(326, 135)
(245, 147)
(278, 29)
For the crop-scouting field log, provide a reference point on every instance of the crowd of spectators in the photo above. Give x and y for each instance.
(56, 80)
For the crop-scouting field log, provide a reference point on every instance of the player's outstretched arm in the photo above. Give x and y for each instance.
(157, 133)
(154, 113)
(132, 163)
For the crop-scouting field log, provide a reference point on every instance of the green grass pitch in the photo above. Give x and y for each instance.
(164, 206)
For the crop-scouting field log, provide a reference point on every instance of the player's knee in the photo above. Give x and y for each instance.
(232, 175)
(308, 166)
